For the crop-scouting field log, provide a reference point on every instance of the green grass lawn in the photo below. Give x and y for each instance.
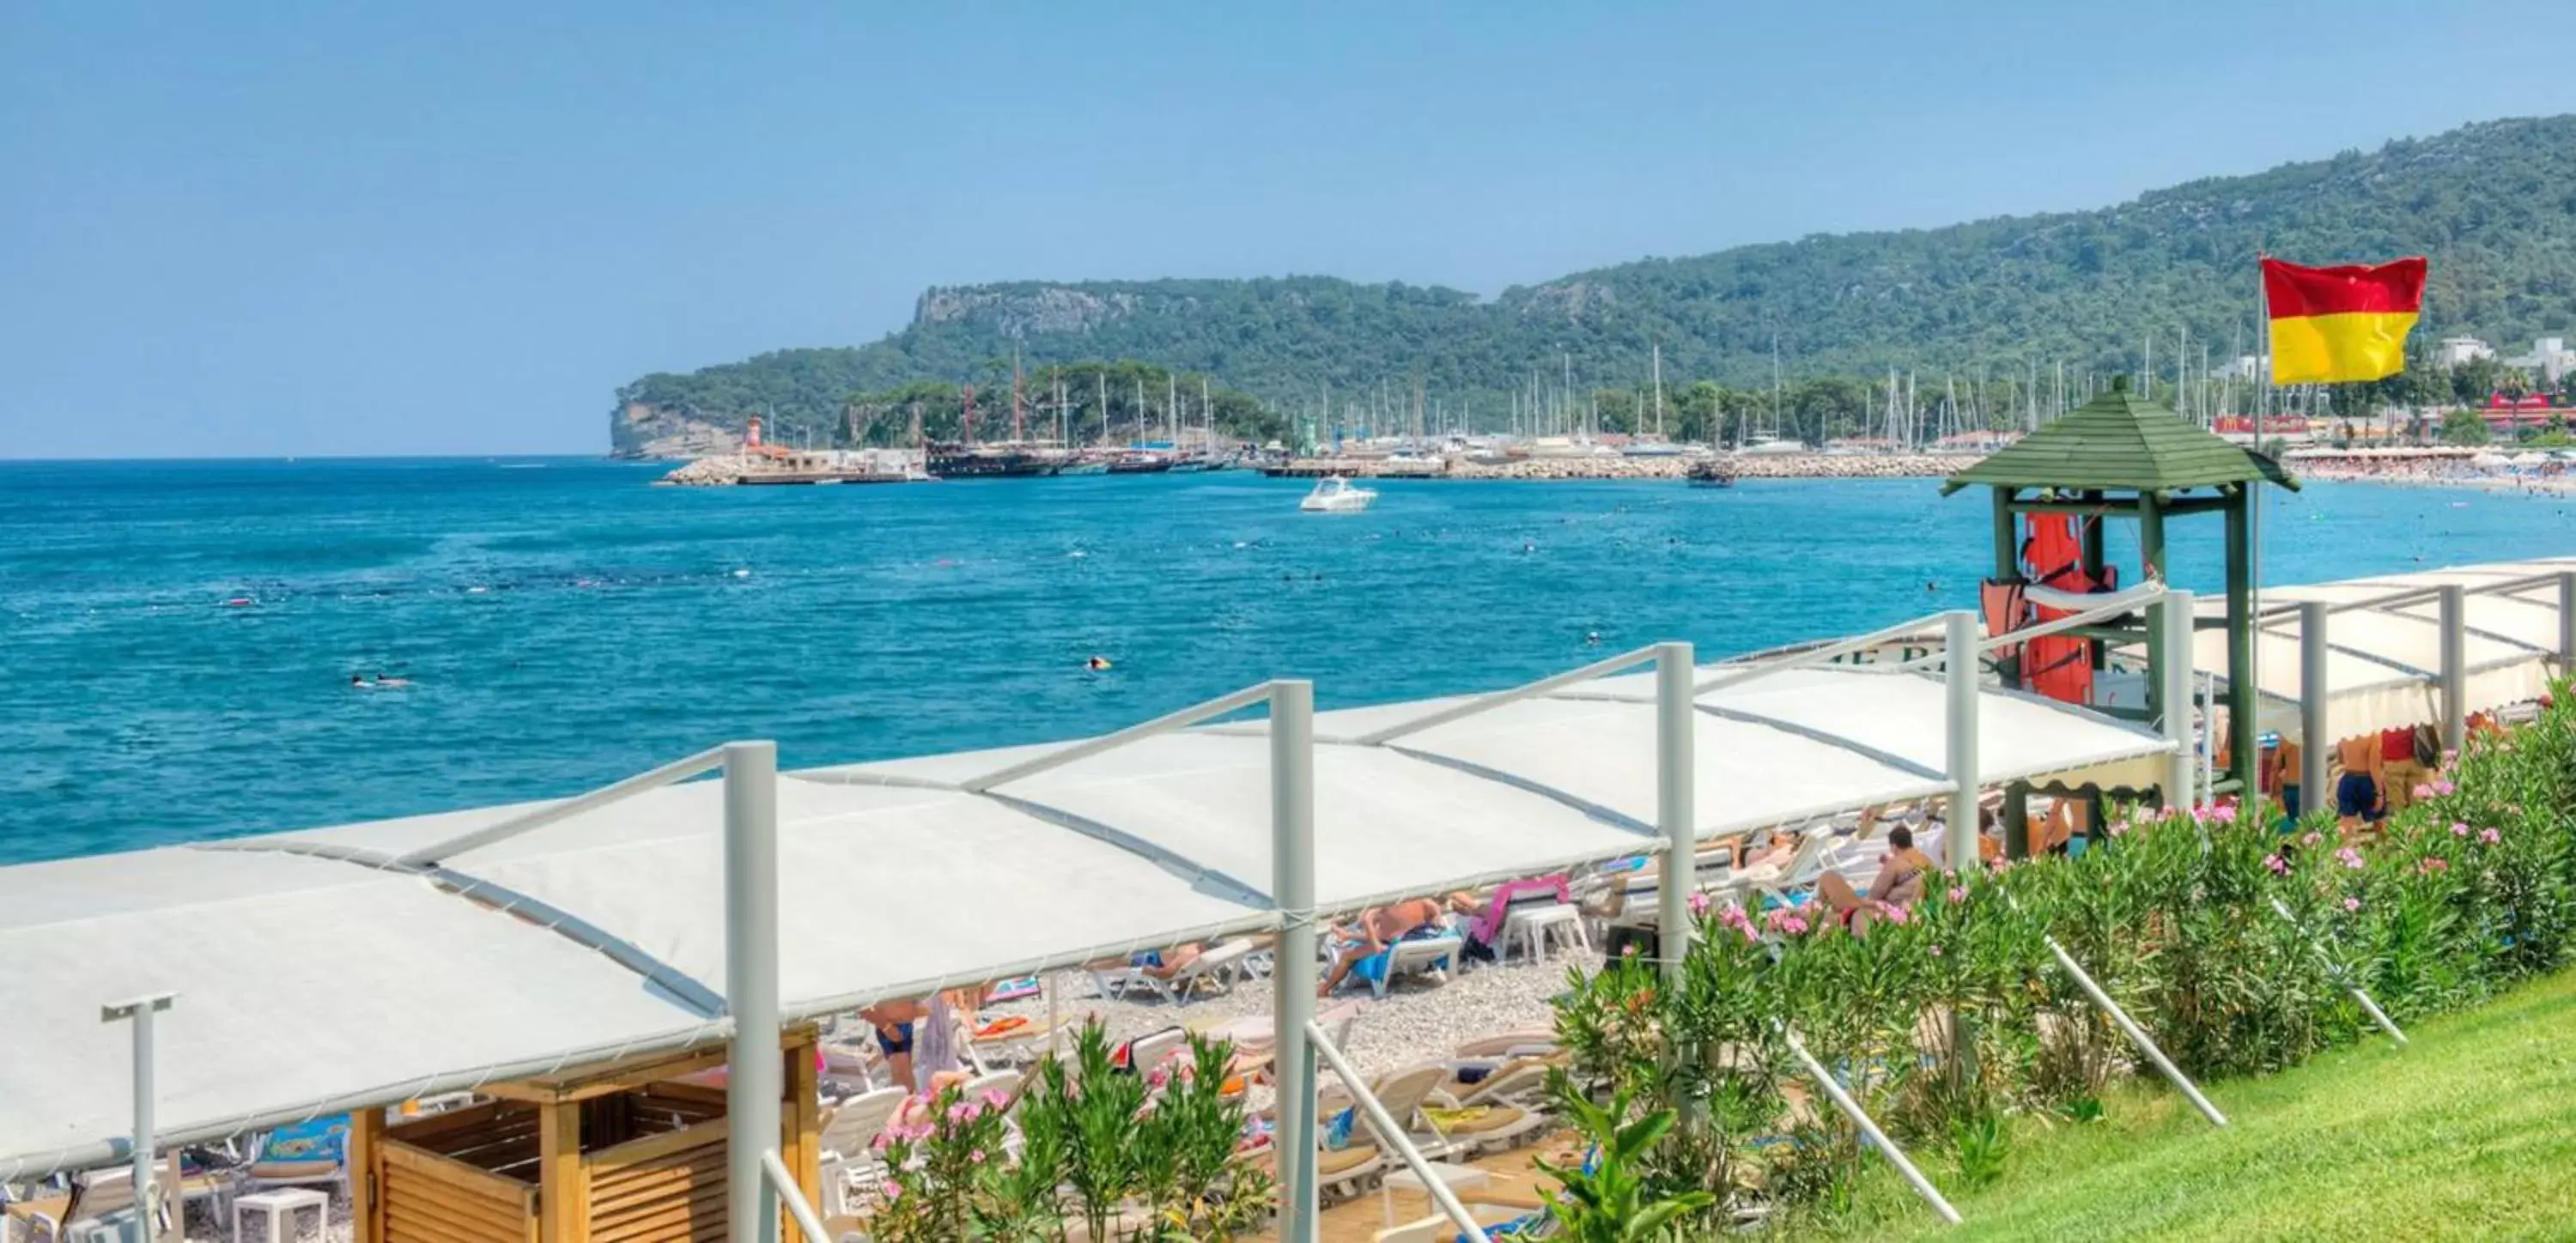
(2468, 1133)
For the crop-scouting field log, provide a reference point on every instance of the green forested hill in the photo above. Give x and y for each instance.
(2493, 204)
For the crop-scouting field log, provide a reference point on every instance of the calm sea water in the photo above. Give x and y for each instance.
(565, 623)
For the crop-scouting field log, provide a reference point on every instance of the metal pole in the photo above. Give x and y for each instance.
(2455, 667)
(2176, 618)
(2136, 1034)
(2368, 1006)
(1851, 1109)
(2209, 737)
(782, 1183)
(147, 1188)
(2567, 623)
(1674, 759)
(755, 1073)
(1959, 630)
(1292, 975)
(1392, 1130)
(2313, 742)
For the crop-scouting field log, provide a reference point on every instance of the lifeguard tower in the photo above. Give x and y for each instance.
(2119, 456)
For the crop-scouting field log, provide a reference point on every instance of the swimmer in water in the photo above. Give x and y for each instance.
(357, 681)
(385, 683)
(1097, 664)
(1592, 638)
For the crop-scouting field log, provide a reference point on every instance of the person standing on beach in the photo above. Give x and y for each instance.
(2359, 794)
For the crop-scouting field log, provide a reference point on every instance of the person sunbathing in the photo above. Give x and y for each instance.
(1379, 927)
(1900, 884)
(1161, 964)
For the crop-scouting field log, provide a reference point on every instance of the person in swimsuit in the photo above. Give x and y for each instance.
(1378, 928)
(893, 1021)
(2360, 795)
(1899, 884)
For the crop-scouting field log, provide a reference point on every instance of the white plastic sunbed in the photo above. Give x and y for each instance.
(1216, 965)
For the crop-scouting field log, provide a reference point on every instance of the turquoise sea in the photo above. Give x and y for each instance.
(565, 624)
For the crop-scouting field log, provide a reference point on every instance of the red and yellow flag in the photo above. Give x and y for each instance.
(2331, 325)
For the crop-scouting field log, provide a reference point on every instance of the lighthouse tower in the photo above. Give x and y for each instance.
(751, 436)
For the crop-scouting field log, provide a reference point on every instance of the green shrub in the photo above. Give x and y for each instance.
(2232, 943)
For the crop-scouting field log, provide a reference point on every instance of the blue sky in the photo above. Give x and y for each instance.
(271, 228)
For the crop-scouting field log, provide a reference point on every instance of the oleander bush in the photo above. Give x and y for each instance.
(2234, 940)
(1086, 1141)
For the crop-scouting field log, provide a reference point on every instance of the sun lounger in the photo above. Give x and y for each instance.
(1509, 1083)
(1437, 1228)
(848, 1143)
(1509, 1044)
(1431, 956)
(1218, 965)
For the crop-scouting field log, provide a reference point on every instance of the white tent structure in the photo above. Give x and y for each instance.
(2385, 653)
(338, 968)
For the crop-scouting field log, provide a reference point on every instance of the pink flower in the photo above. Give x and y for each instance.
(1158, 1077)
(2489, 836)
(893, 1192)
(1794, 926)
(1898, 915)
(883, 1138)
(977, 1156)
(2312, 838)
(2443, 787)
(2349, 857)
(1936, 951)
(995, 1099)
(2423, 791)
(2458, 829)
(2430, 865)
(2277, 864)
(2352, 904)
(2119, 826)
(1698, 903)
(1958, 893)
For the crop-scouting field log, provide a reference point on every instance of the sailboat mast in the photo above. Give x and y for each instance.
(1019, 417)
(1659, 388)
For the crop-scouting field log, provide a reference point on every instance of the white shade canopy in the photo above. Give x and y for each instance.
(311, 984)
(2384, 645)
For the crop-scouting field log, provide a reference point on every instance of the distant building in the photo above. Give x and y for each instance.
(2549, 359)
(2455, 351)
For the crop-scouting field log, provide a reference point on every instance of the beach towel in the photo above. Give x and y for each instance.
(1489, 923)
(321, 1139)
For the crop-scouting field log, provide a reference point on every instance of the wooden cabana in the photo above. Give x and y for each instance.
(631, 1151)
(2123, 456)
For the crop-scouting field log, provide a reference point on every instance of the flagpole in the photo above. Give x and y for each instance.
(2251, 799)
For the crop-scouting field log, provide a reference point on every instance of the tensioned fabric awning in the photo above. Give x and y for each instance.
(2384, 645)
(314, 984)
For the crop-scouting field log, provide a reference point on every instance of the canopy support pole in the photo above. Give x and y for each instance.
(754, 1076)
(2313, 743)
(2174, 672)
(2137, 1035)
(2455, 667)
(1292, 974)
(2368, 1006)
(1391, 1128)
(1851, 1109)
(147, 1187)
(1674, 755)
(1959, 677)
(2567, 623)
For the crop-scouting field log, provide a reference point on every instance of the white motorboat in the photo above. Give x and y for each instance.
(1334, 494)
